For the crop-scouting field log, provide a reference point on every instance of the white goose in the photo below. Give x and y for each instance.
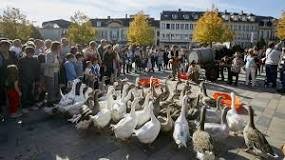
(125, 127)
(75, 108)
(69, 97)
(235, 121)
(150, 130)
(143, 115)
(181, 128)
(103, 117)
(119, 107)
(110, 92)
(219, 131)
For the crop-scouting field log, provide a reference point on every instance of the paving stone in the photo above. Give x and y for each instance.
(263, 121)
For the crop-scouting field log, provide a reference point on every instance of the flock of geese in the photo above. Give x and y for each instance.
(132, 111)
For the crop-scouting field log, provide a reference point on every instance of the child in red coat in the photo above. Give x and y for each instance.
(13, 91)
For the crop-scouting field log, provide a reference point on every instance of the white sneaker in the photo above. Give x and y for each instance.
(25, 111)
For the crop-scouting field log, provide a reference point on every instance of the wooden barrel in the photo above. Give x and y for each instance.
(202, 56)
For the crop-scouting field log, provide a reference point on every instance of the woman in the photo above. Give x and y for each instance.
(250, 67)
(193, 72)
(52, 72)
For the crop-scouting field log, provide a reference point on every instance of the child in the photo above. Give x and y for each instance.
(13, 91)
(95, 70)
(88, 77)
(79, 65)
(250, 68)
(193, 72)
(69, 67)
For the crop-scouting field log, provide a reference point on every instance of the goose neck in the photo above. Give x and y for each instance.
(251, 118)
(204, 91)
(224, 117)
(233, 103)
(202, 119)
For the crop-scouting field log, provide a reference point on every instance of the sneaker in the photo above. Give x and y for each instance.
(25, 110)
(16, 115)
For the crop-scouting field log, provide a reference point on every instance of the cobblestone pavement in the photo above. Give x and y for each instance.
(37, 136)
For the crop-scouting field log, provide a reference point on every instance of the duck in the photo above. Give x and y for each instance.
(255, 140)
(69, 97)
(181, 128)
(119, 108)
(125, 127)
(235, 121)
(167, 122)
(206, 100)
(214, 114)
(219, 131)
(203, 142)
(103, 117)
(150, 130)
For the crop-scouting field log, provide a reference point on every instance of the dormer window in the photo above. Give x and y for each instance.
(243, 18)
(252, 18)
(235, 17)
(166, 15)
(195, 16)
(174, 16)
(226, 17)
(186, 16)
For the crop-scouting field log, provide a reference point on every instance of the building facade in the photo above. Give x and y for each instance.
(176, 27)
(111, 29)
(54, 30)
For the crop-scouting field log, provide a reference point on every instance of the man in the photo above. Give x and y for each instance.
(175, 62)
(282, 72)
(29, 74)
(65, 48)
(271, 63)
(100, 48)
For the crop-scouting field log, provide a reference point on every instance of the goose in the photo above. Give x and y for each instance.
(219, 131)
(165, 94)
(176, 92)
(214, 114)
(186, 88)
(194, 111)
(150, 130)
(143, 115)
(110, 92)
(202, 141)
(80, 97)
(103, 117)
(125, 127)
(235, 121)
(167, 122)
(75, 108)
(69, 97)
(181, 128)
(119, 108)
(206, 100)
(255, 140)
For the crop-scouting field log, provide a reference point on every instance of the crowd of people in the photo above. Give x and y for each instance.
(36, 70)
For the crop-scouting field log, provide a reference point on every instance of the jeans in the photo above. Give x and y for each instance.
(27, 89)
(236, 75)
(271, 74)
(250, 71)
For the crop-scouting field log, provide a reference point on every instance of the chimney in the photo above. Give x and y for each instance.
(108, 17)
(126, 16)
(241, 12)
(179, 10)
(226, 11)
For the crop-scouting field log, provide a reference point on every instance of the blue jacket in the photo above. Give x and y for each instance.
(70, 71)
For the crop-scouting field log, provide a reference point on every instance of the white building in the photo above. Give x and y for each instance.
(176, 27)
(55, 29)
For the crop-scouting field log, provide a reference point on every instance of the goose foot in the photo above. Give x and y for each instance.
(150, 146)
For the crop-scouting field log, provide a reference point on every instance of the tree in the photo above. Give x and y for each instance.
(211, 28)
(13, 24)
(281, 27)
(261, 43)
(140, 31)
(81, 30)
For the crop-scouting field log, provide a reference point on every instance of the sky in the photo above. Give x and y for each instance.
(39, 11)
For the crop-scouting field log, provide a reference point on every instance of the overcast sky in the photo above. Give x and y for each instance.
(44, 10)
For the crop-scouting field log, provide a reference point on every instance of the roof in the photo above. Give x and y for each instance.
(123, 21)
(60, 22)
(194, 15)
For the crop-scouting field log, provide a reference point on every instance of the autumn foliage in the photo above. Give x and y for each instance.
(140, 31)
(281, 27)
(81, 30)
(211, 28)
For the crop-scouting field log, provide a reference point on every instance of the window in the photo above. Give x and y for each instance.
(247, 28)
(243, 28)
(182, 27)
(186, 16)
(251, 28)
(167, 26)
(174, 16)
(163, 35)
(187, 26)
(191, 26)
(98, 24)
(172, 26)
(177, 26)
(239, 27)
